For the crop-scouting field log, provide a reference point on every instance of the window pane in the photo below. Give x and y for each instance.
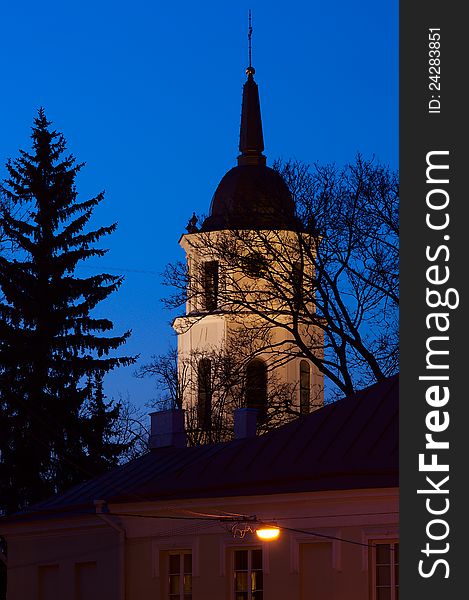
(211, 284)
(187, 584)
(256, 387)
(174, 564)
(305, 386)
(383, 554)
(257, 559)
(188, 563)
(383, 576)
(241, 560)
(396, 554)
(255, 265)
(256, 580)
(248, 579)
(297, 276)
(241, 582)
(174, 584)
(383, 594)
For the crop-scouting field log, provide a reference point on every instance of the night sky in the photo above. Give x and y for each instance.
(148, 94)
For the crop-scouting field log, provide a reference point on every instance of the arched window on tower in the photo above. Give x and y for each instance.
(210, 281)
(305, 387)
(256, 387)
(204, 394)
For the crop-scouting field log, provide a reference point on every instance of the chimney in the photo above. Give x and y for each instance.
(245, 423)
(167, 429)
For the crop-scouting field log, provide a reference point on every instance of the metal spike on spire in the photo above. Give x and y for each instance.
(249, 38)
(250, 70)
(251, 140)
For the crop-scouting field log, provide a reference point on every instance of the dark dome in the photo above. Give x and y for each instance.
(251, 197)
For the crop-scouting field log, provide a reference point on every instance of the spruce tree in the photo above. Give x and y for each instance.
(50, 344)
(101, 435)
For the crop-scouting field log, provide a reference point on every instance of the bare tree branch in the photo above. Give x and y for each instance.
(331, 286)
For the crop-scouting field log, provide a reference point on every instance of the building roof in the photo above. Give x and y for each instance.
(349, 444)
(251, 195)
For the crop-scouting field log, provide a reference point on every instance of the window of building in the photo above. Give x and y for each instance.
(256, 387)
(248, 580)
(180, 576)
(297, 284)
(211, 280)
(255, 265)
(385, 571)
(305, 386)
(204, 393)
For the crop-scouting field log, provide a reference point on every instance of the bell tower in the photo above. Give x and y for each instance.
(251, 209)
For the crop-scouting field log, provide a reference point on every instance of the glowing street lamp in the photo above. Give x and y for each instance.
(268, 533)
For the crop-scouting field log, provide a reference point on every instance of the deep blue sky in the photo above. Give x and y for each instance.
(148, 94)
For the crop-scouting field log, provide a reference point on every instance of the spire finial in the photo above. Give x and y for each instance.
(250, 70)
(251, 140)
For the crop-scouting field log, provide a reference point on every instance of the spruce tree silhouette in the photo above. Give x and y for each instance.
(100, 436)
(50, 344)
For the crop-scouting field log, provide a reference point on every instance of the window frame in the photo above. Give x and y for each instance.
(210, 284)
(263, 570)
(297, 279)
(257, 387)
(182, 595)
(394, 586)
(305, 390)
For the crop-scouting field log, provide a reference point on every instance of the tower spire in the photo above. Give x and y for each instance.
(251, 140)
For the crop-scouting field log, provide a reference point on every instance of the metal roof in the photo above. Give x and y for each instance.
(349, 444)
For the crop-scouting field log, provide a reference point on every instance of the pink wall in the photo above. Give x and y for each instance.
(79, 559)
